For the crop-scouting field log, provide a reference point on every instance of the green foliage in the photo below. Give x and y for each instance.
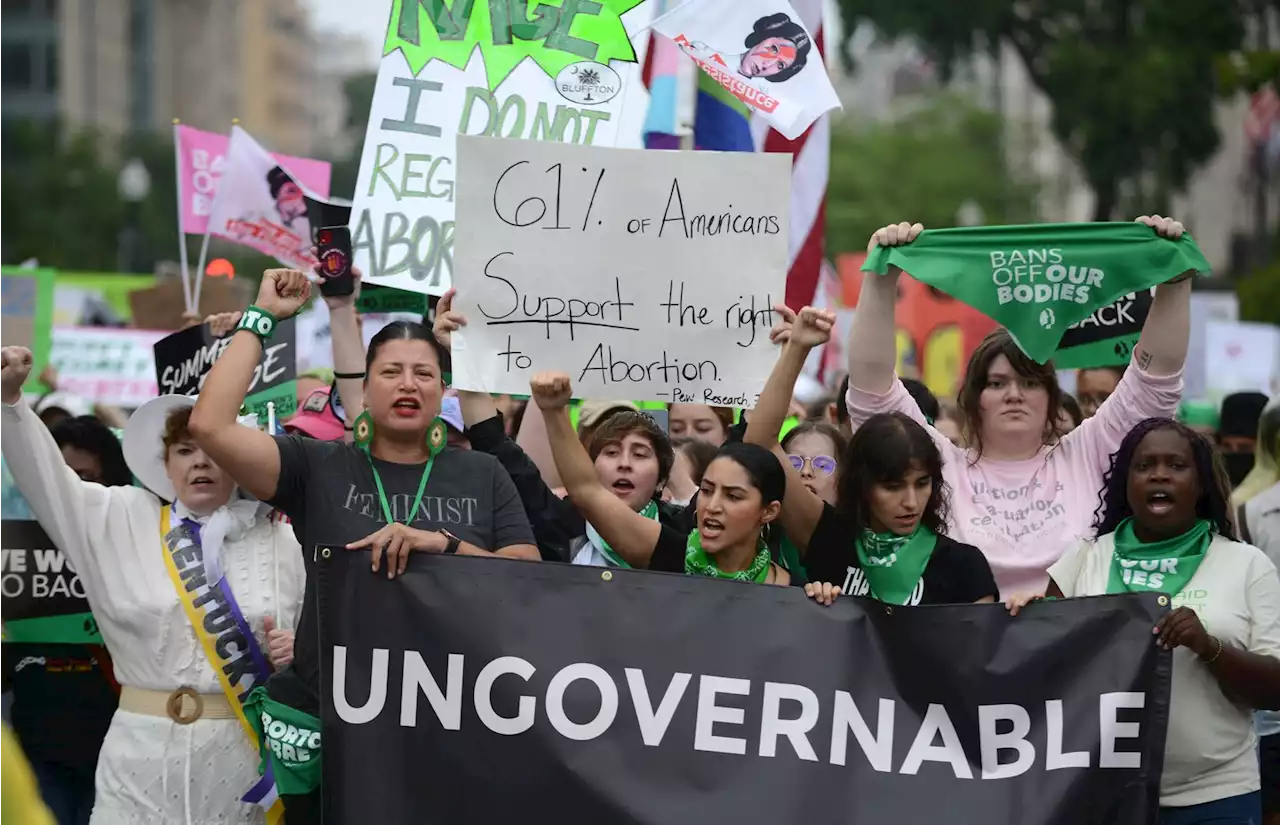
(1131, 81)
(920, 167)
(1259, 295)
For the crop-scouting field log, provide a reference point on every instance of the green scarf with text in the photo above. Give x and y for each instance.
(1159, 566)
(1039, 280)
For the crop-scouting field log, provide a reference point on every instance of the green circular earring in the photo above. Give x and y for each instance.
(362, 431)
(437, 437)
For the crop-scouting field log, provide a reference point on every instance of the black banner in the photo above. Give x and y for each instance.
(1107, 337)
(43, 600)
(184, 358)
(479, 690)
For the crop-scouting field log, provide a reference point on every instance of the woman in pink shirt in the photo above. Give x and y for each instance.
(1019, 493)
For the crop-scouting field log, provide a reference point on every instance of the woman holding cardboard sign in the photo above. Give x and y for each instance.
(1020, 494)
(186, 595)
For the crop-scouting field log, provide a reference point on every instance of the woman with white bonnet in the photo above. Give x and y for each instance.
(186, 572)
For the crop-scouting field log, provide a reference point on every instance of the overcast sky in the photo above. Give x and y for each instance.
(367, 18)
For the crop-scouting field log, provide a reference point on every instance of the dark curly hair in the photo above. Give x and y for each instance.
(1214, 502)
(882, 450)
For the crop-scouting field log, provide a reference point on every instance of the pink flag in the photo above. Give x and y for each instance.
(201, 159)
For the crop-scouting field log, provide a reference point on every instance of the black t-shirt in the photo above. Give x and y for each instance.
(62, 703)
(327, 490)
(956, 573)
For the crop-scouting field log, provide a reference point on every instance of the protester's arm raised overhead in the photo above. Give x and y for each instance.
(873, 345)
(801, 508)
(1162, 347)
(629, 533)
(1152, 386)
(249, 456)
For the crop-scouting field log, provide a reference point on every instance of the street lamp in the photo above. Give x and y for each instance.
(133, 185)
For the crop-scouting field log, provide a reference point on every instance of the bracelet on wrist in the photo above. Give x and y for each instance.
(257, 320)
(1216, 653)
(348, 374)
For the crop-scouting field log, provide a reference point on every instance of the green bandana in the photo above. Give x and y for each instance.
(290, 739)
(893, 564)
(698, 563)
(611, 558)
(1161, 566)
(1039, 280)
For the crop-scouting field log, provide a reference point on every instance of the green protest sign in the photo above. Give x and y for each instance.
(552, 33)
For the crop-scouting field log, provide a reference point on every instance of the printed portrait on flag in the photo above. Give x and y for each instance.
(777, 50)
(261, 205)
(760, 53)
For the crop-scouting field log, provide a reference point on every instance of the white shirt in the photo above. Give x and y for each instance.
(1262, 518)
(1210, 750)
(150, 769)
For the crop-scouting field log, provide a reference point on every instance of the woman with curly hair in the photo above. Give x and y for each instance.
(1164, 525)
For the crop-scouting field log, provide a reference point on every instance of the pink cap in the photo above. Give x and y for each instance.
(315, 418)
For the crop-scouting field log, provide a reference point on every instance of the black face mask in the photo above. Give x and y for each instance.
(1238, 466)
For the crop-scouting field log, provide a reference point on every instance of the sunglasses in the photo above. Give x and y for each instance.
(824, 464)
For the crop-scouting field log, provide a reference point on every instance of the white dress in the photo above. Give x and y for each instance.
(152, 771)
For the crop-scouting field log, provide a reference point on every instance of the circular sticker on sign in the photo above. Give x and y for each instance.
(588, 83)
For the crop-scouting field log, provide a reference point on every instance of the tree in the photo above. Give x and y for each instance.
(921, 167)
(1131, 81)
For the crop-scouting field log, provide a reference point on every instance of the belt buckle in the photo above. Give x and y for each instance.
(174, 706)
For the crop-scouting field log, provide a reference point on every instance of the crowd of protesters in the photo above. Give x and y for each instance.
(1013, 493)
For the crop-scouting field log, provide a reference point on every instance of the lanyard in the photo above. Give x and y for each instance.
(417, 501)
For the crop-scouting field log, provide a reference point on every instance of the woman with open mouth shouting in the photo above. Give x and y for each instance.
(882, 536)
(741, 493)
(397, 490)
(1164, 526)
(631, 455)
(187, 577)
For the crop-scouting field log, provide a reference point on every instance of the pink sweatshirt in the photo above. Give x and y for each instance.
(1025, 514)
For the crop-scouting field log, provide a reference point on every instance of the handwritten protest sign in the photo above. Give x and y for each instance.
(202, 158)
(644, 275)
(106, 366)
(556, 70)
(1107, 337)
(184, 359)
(28, 300)
(43, 600)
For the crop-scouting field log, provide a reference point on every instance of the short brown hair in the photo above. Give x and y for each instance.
(999, 342)
(618, 425)
(177, 428)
